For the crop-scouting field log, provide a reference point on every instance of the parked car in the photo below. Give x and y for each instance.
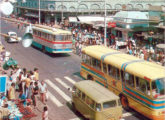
(12, 37)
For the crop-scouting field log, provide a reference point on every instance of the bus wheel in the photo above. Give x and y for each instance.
(124, 102)
(43, 49)
(89, 77)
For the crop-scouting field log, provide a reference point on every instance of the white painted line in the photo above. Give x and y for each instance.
(63, 84)
(75, 119)
(127, 114)
(70, 80)
(54, 100)
(51, 84)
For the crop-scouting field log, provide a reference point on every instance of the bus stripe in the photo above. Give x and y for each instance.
(155, 102)
(124, 65)
(107, 54)
(92, 71)
(64, 42)
(154, 107)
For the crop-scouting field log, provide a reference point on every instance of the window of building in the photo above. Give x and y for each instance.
(142, 85)
(129, 79)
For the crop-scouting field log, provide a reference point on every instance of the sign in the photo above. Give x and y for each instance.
(3, 84)
(111, 24)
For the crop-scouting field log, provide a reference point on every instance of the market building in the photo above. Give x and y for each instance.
(56, 10)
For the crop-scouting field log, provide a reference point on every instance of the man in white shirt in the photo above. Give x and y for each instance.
(43, 90)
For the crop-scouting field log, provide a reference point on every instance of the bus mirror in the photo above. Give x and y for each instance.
(27, 40)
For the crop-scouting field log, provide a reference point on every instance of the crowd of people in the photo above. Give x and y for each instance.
(24, 87)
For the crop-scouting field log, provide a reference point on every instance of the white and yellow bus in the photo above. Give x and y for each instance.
(140, 84)
(95, 102)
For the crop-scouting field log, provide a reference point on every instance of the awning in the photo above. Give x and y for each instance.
(31, 15)
(72, 19)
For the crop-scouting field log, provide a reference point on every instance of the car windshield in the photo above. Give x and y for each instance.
(158, 88)
(13, 35)
(109, 104)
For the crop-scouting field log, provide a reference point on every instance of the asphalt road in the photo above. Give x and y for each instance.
(60, 71)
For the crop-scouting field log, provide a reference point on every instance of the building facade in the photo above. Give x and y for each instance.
(56, 10)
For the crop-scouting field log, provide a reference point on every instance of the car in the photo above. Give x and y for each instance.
(12, 37)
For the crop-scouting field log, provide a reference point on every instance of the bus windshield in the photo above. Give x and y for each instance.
(158, 88)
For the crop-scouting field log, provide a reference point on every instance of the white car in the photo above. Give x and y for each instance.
(13, 37)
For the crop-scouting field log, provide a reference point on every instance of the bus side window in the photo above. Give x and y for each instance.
(83, 96)
(98, 64)
(129, 79)
(98, 107)
(104, 68)
(78, 93)
(90, 102)
(94, 62)
(143, 85)
(109, 70)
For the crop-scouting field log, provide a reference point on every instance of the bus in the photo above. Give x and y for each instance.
(95, 102)
(52, 40)
(139, 84)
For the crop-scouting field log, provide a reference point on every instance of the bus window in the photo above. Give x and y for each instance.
(158, 88)
(109, 104)
(78, 93)
(104, 68)
(143, 85)
(98, 64)
(129, 79)
(93, 62)
(90, 102)
(59, 37)
(88, 60)
(114, 72)
(98, 107)
(83, 96)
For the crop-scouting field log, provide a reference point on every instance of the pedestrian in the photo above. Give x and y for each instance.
(43, 90)
(27, 85)
(30, 91)
(45, 113)
(35, 94)
(22, 98)
(36, 74)
(23, 77)
(11, 94)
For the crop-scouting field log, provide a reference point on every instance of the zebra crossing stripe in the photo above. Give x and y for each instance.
(63, 84)
(70, 80)
(54, 100)
(51, 84)
(127, 114)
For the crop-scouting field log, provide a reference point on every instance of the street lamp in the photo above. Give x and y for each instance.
(105, 27)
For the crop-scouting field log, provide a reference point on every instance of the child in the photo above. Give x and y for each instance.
(45, 113)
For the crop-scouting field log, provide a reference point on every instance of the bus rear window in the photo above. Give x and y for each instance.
(109, 104)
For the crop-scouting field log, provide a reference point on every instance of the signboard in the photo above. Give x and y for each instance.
(3, 84)
(111, 24)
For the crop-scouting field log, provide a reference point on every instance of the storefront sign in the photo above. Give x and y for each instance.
(111, 24)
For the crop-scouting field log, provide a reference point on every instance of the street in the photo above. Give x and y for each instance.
(60, 72)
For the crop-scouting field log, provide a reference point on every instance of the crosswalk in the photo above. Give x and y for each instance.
(64, 82)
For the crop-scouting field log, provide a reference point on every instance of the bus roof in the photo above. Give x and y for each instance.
(95, 91)
(54, 31)
(136, 66)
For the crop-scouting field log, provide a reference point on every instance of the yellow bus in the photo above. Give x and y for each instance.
(139, 84)
(95, 102)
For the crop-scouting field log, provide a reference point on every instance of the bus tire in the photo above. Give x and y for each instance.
(43, 49)
(89, 77)
(124, 102)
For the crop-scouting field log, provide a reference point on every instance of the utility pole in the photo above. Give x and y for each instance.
(105, 27)
(62, 12)
(39, 12)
